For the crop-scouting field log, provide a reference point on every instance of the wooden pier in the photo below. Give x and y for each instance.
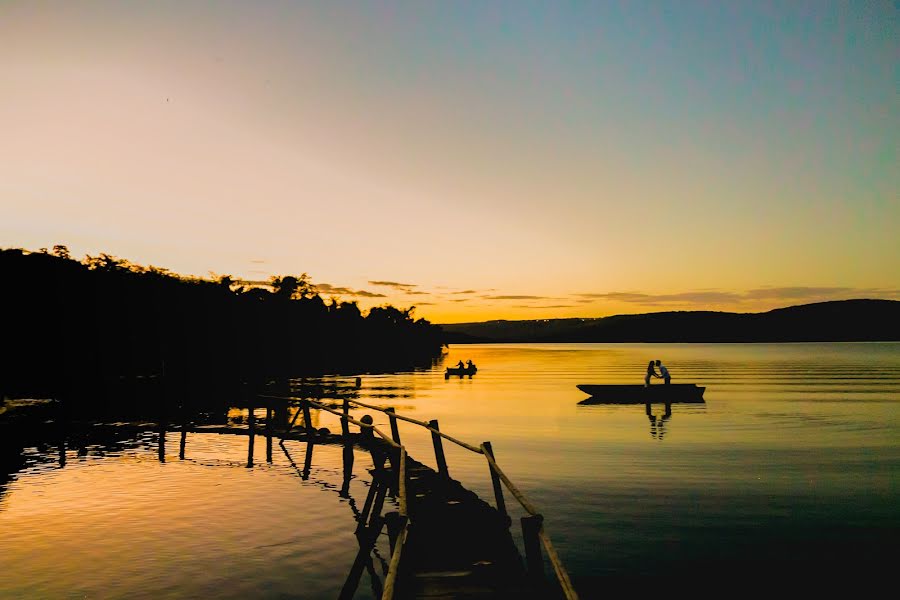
(446, 542)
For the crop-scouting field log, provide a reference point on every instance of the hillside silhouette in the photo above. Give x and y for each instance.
(75, 328)
(837, 321)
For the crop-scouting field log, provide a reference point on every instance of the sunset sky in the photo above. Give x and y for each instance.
(479, 160)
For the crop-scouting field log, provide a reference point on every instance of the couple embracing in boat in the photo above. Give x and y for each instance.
(651, 372)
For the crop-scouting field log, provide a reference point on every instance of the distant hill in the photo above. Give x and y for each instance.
(838, 321)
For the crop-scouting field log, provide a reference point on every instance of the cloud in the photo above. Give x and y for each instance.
(703, 296)
(714, 297)
(327, 288)
(252, 281)
(518, 298)
(258, 261)
(545, 306)
(465, 292)
(798, 292)
(393, 284)
(367, 294)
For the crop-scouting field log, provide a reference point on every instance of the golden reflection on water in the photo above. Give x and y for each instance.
(795, 452)
(130, 526)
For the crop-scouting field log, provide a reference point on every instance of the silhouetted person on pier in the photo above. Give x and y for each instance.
(651, 372)
(664, 373)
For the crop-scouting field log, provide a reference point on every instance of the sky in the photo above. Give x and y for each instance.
(476, 160)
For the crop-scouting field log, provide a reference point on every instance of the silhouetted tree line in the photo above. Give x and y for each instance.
(71, 327)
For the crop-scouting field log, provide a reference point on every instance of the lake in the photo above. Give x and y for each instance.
(789, 467)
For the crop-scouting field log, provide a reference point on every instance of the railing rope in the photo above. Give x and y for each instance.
(390, 580)
(427, 426)
(561, 574)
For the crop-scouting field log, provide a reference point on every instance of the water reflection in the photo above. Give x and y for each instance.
(658, 425)
(116, 448)
(794, 457)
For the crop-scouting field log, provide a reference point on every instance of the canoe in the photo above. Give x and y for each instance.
(639, 394)
(462, 372)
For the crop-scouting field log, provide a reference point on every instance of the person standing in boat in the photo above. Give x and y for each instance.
(651, 372)
(664, 373)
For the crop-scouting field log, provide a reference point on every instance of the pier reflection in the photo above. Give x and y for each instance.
(48, 442)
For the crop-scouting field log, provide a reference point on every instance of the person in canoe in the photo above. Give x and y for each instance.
(460, 364)
(651, 372)
(664, 373)
(470, 365)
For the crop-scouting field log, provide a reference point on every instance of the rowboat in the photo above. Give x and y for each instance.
(640, 394)
(461, 371)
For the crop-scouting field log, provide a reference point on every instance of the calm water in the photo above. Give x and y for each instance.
(790, 465)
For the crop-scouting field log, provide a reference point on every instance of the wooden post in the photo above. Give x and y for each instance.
(395, 433)
(367, 506)
(367, 541)
(183, 442)
(395, 523)
(495, 479)
(348, 470)
(307, 461)
(394, 487)
(162, 442)
(345, 424)
(307, 419)
(251, 434)
(270, 412)
(62, 450)
(531, 529)
(377, 505)
(438, 449)
(294, 420)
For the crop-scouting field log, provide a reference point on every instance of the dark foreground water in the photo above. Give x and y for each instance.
(789, 469)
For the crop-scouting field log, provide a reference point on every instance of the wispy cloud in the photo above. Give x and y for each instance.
(704, 296)
(465, 292)
(393, 284)
(252, 282)
(716, 297)
(513, 297)
(801, 292)
(545, 306)
(327, 288)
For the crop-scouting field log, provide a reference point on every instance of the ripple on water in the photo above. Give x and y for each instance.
(206, 526)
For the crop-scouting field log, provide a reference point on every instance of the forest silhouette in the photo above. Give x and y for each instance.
(77, 329)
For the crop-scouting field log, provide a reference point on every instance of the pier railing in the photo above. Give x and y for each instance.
(533, 534)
